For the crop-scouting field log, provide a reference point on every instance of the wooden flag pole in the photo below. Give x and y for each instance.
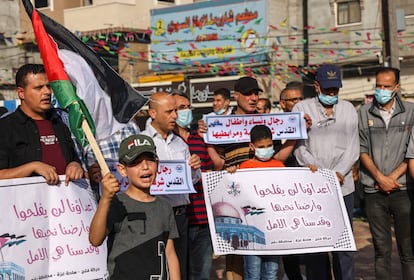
(95, 148)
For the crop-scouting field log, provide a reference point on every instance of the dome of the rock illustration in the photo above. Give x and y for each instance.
(224, 209)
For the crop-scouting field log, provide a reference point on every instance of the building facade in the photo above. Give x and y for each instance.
(297, 37)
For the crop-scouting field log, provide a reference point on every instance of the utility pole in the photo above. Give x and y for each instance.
(305, 33)
(390, 40)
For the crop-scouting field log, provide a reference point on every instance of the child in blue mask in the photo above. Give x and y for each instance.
(261, 267)
(261, 144)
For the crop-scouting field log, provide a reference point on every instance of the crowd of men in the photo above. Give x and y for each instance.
(36, 142)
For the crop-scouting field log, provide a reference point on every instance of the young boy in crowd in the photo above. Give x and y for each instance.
(139, 226)
(261, 143)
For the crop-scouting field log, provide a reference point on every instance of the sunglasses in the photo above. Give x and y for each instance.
(296, 99)
(250, 93)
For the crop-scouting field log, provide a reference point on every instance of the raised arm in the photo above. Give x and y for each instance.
(98, 230)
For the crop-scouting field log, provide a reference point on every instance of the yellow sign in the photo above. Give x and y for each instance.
(207, 52)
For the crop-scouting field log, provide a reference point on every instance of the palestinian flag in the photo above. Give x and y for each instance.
(72, 65)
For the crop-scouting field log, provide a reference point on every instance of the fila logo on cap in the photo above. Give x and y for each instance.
(138, 143)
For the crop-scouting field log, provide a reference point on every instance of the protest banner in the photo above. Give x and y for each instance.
(44, 231)
(276, 211)
(173, 177)
(236, 128)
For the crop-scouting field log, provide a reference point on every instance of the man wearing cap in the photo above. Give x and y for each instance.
(384, 129)
(163, 114)
(246, 94)
(332, 143)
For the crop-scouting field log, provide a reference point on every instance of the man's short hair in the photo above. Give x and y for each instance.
(179, 92)
(284, 91)
(260, 132)
(267, 104)
(294, 84)
(25, 70)
(223, 92)
(390, 69)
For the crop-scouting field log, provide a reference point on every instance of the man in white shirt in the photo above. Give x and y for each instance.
(163, 114)
(333, 143)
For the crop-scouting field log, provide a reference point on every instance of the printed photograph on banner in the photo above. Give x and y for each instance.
(281, 211)
(44, 231)
(236, 128)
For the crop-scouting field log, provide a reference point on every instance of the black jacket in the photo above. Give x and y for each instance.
(20, 139)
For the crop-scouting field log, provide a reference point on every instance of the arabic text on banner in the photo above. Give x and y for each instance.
(236, 128)
(173, 177)
(276, 211)
(44, 231)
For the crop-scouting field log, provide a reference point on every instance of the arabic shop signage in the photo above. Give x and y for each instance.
(201, 91)
(208, 32)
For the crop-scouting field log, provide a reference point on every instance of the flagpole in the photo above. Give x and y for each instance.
(95, 148)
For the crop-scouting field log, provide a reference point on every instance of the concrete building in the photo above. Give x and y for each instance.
(11, 56)
(299, 35)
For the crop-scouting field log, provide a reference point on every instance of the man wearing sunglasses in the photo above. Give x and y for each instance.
(289, 97)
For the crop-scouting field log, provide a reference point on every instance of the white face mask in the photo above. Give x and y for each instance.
(264, 154)
(220, 112)
(184, 117)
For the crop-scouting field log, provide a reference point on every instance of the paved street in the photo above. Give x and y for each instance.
(364, 263)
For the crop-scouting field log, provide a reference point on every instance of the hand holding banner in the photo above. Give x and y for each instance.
(236, 128)
(44, 231)
(282, 211)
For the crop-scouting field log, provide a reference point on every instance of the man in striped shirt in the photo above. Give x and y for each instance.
(199, 240)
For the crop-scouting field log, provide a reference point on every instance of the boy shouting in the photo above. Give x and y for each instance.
(139, 226)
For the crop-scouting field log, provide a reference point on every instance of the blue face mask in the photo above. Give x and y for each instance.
(264, 154)
(327, 99)
(184, 118)
(220, 112)
(383, 96)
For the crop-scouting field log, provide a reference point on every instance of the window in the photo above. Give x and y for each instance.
(407, 6)
(348, 11)
(168, 1)
(41, 3)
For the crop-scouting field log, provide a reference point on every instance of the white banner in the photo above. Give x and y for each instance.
(173, 177)
(44, 231)
(276, 211)
(236, 128)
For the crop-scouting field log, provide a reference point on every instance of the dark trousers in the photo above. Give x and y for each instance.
(181, 243)
(291, 264)
(200, 252)
(380, 209)
(318, 266)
